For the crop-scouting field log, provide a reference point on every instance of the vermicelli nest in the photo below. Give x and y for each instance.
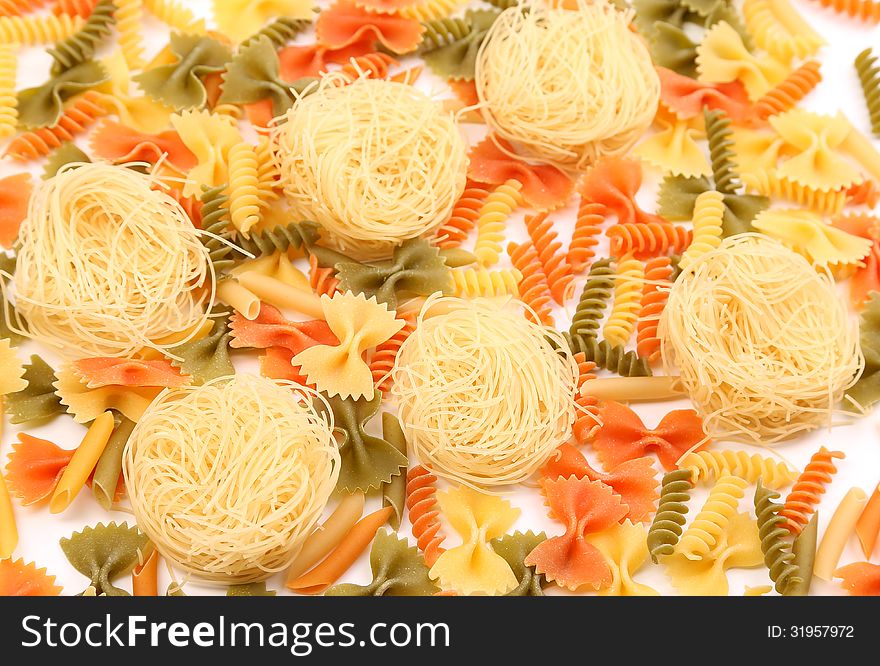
(108, 265)
(374, 163)
(762, 341)
(483, 396)
(567, 86)
(229, 478)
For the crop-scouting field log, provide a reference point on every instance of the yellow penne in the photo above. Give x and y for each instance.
(82, 463)
(839, 529)
(630, 389)
(238, 298)
(282, 295)
(8, 531)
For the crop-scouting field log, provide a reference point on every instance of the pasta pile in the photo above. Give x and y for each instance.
(567, 86)
(229, 478)
(108, 265)
(483, 396)
(489, 297)
(762, 342)
(375, 163)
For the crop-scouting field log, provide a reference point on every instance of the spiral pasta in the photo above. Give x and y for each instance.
(780, 30)
(267, 173)
(668, 523)
(421, 502)
(81, 46)
(533, 288)
(8, 98)
(863, 10)
(215, 222)
(73, 7)
(128, 22)
(37, 30)
(282, 30)
(473, 282)
(610, 357)
(295, 235)
(323, 281)
(807, 491)
(658, 275)
(556, 268)
(427, 10)
(492, 219)
(721, 151)
(707, 219)
(628, 286)
(772, 184)
(244, 187)
(584, 238)
(869, 78)
(19, 7)
(464, 216)
(594, 297)
(176, 16)
(771, 530)
(587, 421)
(382, 361)
(710, 523)
(443, 31)
(708, 465)
(649, 238)
(790, 91)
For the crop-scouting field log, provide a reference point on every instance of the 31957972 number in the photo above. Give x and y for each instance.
(811, 631)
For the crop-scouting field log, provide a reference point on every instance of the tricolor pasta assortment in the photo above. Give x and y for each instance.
(294, 297)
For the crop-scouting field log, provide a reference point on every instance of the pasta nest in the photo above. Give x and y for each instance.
(374, 163)
(483, 395)
(229, 478)
(108, 265)
(567, 86)
(763, 343)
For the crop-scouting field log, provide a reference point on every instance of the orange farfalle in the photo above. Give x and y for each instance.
(301, 61)
(345, 23)
(119, 143)
(260, 113)
(860, 579)
(100, 371)
(614, 182)
(271, 329)
(386, 6)
(867, 277)
(466, 91)
(634, 480)
(584, 507)
(15, 191)
(18, 579)
(35, 466)
(277, 363)
(686, 97)
(544, 187)
(624, 437)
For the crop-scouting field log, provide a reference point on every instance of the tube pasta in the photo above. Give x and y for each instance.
(145, 576)
(279, 294)
(868, 526)
(630, 389)
(839, 529)
(239, 298)
(82, 463)
(8, 530)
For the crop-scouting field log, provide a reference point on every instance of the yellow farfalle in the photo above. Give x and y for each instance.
(473, 567)
(722, 58)
(757, 150)
(360, 324)
(814, 140)
(11, 369)
(806, 233)
(674, 148)
(625, 549)
(141, 112)
(210, 138)
(238, 19)
(738, 547)
(88, 404)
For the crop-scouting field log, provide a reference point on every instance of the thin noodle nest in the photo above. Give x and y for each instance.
(229, 478)
(483, 395)
(107, 264)
(567, 86)
(763, 343)
(374, 163)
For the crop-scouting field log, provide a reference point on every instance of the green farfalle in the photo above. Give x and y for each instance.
(254, 75)
(42, 106)
(367, 461)
(457, 59)
(37, 401)
(721, 10)
(739, 211)
(103, 553)
(677, 195)
(650, 12)
(514, 548)
(416, 267)
(394, 492)
(250, 590)
(180, 84)
(398, 570)
(208, 358)
(67, 153)
(81, 46)
(673, 49)
(867, 390)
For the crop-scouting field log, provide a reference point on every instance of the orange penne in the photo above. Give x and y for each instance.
(868, 525)
(145, 577)
(337, 563)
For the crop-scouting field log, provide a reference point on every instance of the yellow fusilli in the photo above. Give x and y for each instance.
(707, 217)
(244, 187)
(473, 282)
(128, 22)
(37, 30)
(8, 99)
(628, 287)
(175, 15)
(708, 465)
(492, 219)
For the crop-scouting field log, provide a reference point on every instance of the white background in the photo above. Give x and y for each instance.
(40, 531)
